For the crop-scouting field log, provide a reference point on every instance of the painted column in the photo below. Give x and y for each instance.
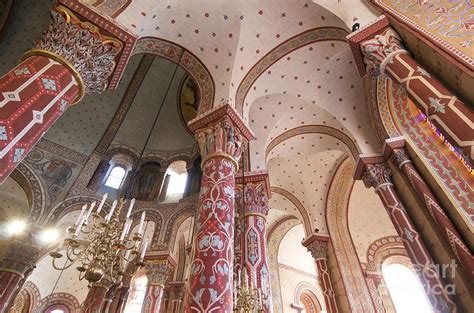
(382, 48)
(71, 59)
(17, 261)
(157, 272)
(238, 239)
(401, 158)
(375, 173)
(221, 135)
(373, 282)
(256, 194)
(318, 245)
(118, 305)
(95, 299)
(109, 298)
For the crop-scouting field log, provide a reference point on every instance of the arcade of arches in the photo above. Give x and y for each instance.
(318, 150)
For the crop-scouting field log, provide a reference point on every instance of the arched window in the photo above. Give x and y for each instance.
(175, 181)
(116, 176)
(57, 308)
(137, 295)
(405, 289)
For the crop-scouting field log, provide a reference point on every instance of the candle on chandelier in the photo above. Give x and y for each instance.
(79, 226)
(126, 227)
(144, 247)
(79, 218)
(130, 208)
(104, 197)
(142, 222)
(126, 258)
(90, 210)
(114, 204)
(238, 279)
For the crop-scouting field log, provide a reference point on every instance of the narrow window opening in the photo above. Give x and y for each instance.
(116, 177)
(405, 289)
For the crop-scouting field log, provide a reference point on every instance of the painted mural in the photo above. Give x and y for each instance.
(188, 99)
(451, 21)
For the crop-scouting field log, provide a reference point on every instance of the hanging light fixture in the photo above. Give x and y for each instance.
(248, 298)
(106, 249)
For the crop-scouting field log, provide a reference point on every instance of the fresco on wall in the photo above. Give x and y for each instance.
(56, 173)
(450, 21)
(189, 99)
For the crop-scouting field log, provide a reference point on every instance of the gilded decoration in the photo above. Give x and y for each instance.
(449, 23)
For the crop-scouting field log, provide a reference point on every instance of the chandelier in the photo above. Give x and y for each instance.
(106, 249)
(248, 299)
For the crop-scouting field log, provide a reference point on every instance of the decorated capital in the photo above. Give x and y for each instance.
(374, 171)
(400, 157)
(377, 175)
(72, 58)
(318, 245)
(158, 272)
(18, 257)
(221, 132)
(81, 47)
(380, 49)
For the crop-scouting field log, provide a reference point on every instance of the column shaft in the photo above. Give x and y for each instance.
(254, 197)
(95, 299)
(378, 176)
(71, 59)
(153, 297)
(450, 115)
(211, 270)
(373, 283)
(221, 136)
(318, 244)
(326, 284)
(32, 97)
(462, 253)
(9, 282)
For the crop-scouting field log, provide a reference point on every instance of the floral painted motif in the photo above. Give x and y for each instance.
(210, 287)
(437, 105)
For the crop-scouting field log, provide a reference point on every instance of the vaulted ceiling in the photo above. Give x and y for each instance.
(284, 65)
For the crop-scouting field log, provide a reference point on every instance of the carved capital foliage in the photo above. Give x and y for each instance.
(256, 198)
(318, 249)
(400, 156)
(82, 46)
(377, 49)
(158, 271)
(221, 137)
(19, 255)
(377, 174)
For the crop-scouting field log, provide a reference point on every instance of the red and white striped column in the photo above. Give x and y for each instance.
(69, 61)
